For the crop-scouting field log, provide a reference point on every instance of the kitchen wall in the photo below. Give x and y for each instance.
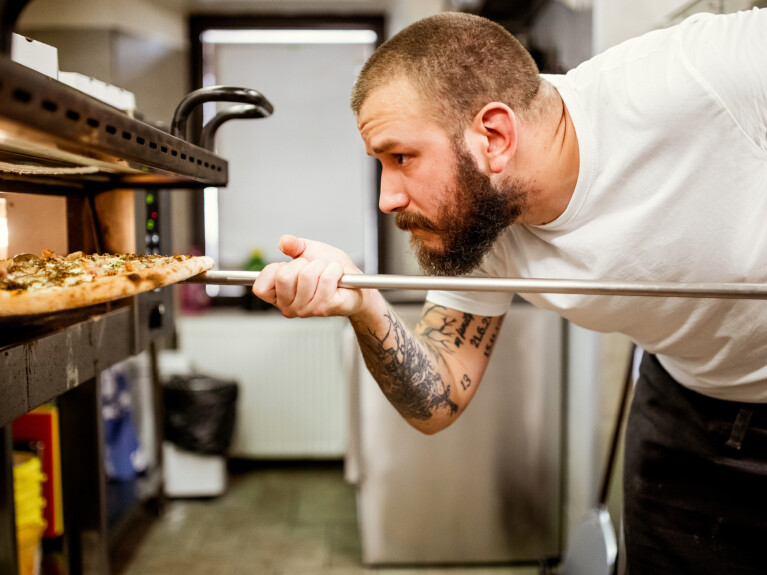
(619, 20)
(563, 33)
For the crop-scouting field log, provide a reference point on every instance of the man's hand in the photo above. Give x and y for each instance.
(308, 285)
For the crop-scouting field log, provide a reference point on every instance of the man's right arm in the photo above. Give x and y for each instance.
(431, 372)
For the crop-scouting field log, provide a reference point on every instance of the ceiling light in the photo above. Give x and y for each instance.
(289, 37)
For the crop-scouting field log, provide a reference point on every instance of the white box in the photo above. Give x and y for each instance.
(35, 55)
(107, 93)
(188, 474)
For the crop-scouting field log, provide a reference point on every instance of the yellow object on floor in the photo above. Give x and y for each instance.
(28, 499)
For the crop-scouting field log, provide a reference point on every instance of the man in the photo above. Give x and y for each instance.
(648, 162)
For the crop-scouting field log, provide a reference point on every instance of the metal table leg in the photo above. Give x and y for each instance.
(8, 558)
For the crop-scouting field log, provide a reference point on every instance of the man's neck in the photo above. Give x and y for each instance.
(549, 159)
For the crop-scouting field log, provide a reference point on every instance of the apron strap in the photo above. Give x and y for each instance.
(739, 428)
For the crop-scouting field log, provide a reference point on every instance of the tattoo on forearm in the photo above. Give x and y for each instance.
(465, 382)
(493, 337)
(405, 372)
(437, 338)
(461, 331)
(481, 330)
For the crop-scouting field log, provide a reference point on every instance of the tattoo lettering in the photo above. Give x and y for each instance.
(481, 329)
(465, 382)
(493, 337)
(461, 331)
(405, 372)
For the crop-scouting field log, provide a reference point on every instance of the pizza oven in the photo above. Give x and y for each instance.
(77, 173)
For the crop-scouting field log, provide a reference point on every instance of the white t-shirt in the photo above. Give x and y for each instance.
(672, 132)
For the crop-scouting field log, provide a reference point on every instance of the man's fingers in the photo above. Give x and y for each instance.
(263, 287)
(292, 246)
(286, 284)
(327, 288)
(307, 286)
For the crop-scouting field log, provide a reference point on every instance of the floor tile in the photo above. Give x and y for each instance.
(274, 519)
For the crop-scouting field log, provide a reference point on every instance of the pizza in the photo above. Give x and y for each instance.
(49, 283)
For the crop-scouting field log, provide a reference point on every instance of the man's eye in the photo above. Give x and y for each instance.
(400, 158)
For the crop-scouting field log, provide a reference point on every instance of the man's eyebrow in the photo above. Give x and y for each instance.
(384, 146)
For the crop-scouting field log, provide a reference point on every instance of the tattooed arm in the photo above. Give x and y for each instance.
(429, 373)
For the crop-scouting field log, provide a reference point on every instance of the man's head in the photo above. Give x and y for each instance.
(457, 63)
(414, 100)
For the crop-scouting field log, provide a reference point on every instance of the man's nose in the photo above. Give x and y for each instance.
(393, 197)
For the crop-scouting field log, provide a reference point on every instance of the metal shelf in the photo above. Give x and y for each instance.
(51, 358)
(54, 135)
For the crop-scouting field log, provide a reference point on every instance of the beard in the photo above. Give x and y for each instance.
(470, 224)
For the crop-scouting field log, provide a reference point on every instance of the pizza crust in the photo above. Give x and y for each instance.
(100, 290)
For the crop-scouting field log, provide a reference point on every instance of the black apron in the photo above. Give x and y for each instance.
(695, 481)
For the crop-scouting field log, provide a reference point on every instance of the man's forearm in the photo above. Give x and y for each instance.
(408, 367)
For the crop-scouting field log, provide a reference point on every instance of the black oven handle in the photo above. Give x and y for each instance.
(215, 94)
(238, 112)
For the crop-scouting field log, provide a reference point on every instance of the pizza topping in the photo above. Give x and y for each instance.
(32, 285)
(31, 273)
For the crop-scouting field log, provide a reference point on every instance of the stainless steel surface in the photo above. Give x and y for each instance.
(518, 285)
(51, 133)
(593, 548)
(486, 489)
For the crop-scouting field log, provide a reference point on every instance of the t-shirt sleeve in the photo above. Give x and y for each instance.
(729, 55)
(479, 303)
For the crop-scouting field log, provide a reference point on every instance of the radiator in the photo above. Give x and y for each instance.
(293, 387)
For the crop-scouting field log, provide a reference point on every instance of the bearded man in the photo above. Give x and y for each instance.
(648, 162)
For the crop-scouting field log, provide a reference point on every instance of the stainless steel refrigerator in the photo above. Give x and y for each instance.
(488, 488)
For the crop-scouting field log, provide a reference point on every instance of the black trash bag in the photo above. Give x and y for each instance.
(199, 413)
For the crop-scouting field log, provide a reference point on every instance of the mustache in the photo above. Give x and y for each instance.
(407, 221)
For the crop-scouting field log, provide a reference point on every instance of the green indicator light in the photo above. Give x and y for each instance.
(150, 225)
(150, 198)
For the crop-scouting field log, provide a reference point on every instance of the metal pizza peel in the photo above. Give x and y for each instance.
(721, 290)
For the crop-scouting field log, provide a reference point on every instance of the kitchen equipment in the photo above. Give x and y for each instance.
(108, 171)
(488, 488)
(593, 548)
(240, 112)
(517, 285)
(217, 94)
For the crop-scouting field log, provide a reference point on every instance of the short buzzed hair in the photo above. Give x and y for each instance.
(459, 63)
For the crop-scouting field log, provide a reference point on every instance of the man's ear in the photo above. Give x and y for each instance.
(492, 136)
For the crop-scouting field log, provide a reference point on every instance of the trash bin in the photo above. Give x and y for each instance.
(199, 422)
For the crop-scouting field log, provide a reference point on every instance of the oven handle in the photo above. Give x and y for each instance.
(215, 94)
(516, 285)
(238, 112)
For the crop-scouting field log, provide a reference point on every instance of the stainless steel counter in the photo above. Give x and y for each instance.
(487, 489)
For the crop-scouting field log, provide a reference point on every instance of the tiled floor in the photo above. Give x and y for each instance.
(273, 520)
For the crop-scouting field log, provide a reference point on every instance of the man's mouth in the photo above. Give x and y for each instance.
(409, 222)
